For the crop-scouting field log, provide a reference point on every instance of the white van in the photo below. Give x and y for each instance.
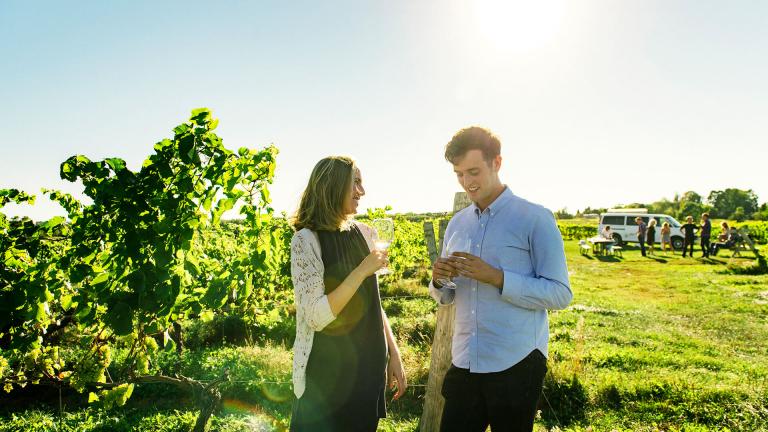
(624, 227)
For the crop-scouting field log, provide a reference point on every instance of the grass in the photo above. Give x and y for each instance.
(660, 343)
(666, 342)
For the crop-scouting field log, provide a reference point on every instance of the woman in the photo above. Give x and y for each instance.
(607, 232)
(650, 235)
(343, 337)
(666, 232)
(722, 239)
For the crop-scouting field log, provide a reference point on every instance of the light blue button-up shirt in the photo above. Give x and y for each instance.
(495, 329)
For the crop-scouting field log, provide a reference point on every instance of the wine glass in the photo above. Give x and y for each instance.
(385, 235)
(457, 242)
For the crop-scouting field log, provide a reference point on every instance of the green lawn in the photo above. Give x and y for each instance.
(657, 343)
(666, 341)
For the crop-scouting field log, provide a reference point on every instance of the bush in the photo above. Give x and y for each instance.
(202, 334)
(576, 232)
(758, 268)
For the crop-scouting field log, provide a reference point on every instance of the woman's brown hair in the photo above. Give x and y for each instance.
(322, 203)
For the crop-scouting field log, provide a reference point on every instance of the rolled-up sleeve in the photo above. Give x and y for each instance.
(548, 287)
(443, 296)
(308, 286)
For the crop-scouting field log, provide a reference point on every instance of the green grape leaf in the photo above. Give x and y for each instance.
(120, 318)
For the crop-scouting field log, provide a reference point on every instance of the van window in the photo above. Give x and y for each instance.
(631, 220)
(673, 222)
(613, 220)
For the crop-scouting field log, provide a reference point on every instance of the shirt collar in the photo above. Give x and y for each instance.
(500, 202)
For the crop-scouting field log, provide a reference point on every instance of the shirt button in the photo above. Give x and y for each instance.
(473, 312)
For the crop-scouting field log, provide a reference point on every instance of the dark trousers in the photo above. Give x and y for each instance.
(504, 400)
(704, 247)
(641, 239)
(688, 243)
(715, 247)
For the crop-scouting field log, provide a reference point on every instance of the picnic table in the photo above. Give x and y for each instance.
(600, 244)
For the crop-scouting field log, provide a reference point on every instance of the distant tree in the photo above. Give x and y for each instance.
(664, 206)
(762, 213)
(590, 210)
(563, 214)
(691, 196)
(690, 208)
(724, 203)
(689, 204)
(739, 215)
(633, 205)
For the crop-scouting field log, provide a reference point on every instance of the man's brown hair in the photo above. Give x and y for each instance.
(473, 138)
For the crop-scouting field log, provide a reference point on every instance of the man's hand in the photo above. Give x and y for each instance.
(443, 269)
(473, 267)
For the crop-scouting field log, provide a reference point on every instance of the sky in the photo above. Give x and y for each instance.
(597, 102)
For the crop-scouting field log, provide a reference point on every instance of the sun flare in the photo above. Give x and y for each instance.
(517, 25)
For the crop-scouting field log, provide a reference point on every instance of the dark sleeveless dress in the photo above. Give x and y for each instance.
(650, 235)
(346, 369)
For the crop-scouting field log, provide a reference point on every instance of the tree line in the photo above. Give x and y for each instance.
(731, 203)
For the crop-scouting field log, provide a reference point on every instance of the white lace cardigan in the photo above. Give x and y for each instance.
(313, 312)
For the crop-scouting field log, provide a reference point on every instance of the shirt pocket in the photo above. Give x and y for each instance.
(515, 257)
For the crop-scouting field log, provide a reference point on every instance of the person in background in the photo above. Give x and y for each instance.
(650, 235)
(641, 228)
(607, 232)
(665, 237)
(345, 352)
(725, 239)
(706, 231)
(689, 234)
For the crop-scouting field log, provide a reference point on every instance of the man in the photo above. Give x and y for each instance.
(641, 228)
(689, 234)
(514, 272)
(706, 233)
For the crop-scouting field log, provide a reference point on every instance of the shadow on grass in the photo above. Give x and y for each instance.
(658, 260)
(712, 261)
(607, 258)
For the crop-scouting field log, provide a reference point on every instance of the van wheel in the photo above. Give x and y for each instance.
(677, 243)
(617, 239)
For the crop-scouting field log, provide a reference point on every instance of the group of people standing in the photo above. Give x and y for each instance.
(727, 238)
(689, 230)
(345, 352)
(646, 236)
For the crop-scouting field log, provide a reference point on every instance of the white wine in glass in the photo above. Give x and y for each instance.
(385, 234)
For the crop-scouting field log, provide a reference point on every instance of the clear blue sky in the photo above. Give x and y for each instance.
(596, 102)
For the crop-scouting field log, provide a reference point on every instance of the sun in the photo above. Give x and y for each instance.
(517, 25)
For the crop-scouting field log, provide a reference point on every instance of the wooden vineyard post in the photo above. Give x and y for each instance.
(441, 344)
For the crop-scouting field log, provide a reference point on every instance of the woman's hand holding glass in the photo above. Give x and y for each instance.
(385, 235)
(374, 262)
